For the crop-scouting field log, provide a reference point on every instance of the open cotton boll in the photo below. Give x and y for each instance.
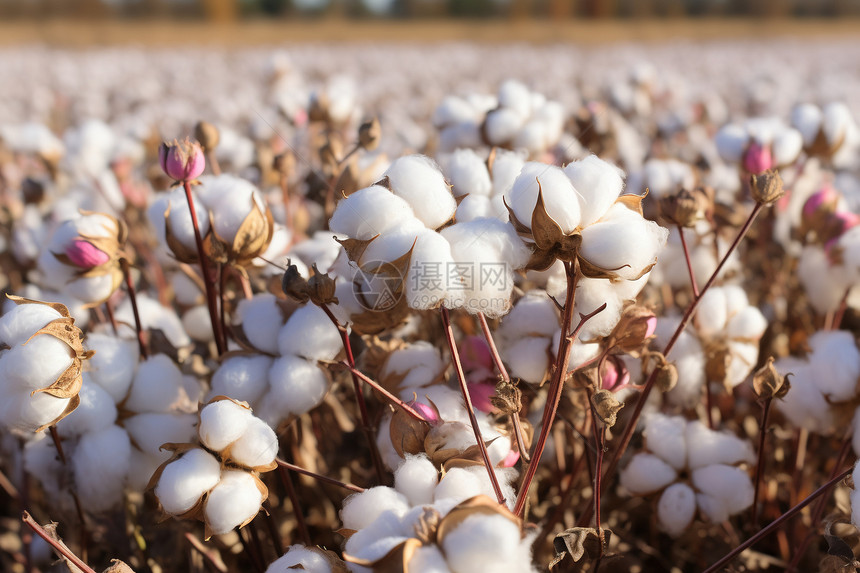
(309, 333)
(222, 423)
(711, 314)
(113, 364)
(705, 446)
(418, 180)
(36, 364)
(689, 359)
(377, 539)
(23, 320)
(458, 485)
(806, 118)
(730, 485)
(19, 410)
(453, 109)
(232, 502)
(369, 212)
(362, 509)
(152, 430)
(731, 141)
(447, 400)
(179, 218)
(516, 96)
(487, 543)
(184, 481)
(186, 291)
(665, 436)
(559, 195)
(823, 286)
(257, 446)
(197, 324)
(787, 146)
(428, 559)
(95, 412)
(230, 211)
(836, 362)
(157, 386)
(416, 478)
(591, 294)
(468, 174)
(261, 321)
(299, 557)
(747, 324)
(501, 126)
(242, 378)
(533, 136)
(100, 464)
(805, 406)
(154, 316)
(528, 358)
(506, 167)
(295, 386)
(420, 362)
(474, 206)
(533, 314)
(598, 184)
(647, 473)
(676, 508)
(426, 284)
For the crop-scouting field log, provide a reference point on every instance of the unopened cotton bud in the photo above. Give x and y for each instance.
(83, 254)
(634, 329)
(606, 406)
(667, 377)
(768, 383)
(321, 288)
(182, 160)
(766, 188)
(369, 134)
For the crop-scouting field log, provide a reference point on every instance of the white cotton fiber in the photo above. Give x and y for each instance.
(141, 468)
(598, 184)
(311, 334)
(731, 140)
(100, 464)
(27, 413)
(416, 478)
(515, 96)
(114, 363)
(185, 290)
(665, 436)
(689, 359)
(747, 324)
(299, 555)
(429, 559)
(420, 362)
(804, 406)
(532, 136)
(468, 174)
(369, 212)
(243, 378)
(185, 480)
(744, 356)
(261, 321)
(528, 358)
(157, 386)
(487, 543)
(591, 294)
(647, 473)
(95, 412)
(20, 323)
(418, 180)
(295, 386)
(474, 206)
(233, 501)
(36, 364)
(533, 314)
(730, 485)
(711, 314)
(222, 423)
(787, 146)
(197, 323)
(447, 400)
(855, 507)
(362, 509)
(705, 446)
(676, 508)
(257, 446)
(806, 118)
(426, 282)
(559, 195)
(151, 430)
(836, 361)
(502, 125)
(155, 316)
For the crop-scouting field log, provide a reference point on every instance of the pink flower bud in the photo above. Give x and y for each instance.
(480, 394)
(511, 459)
(615, 374)
(85, 255)
(475, 354)
(824, 197)
(427, 412)
(758, 158)
(650, 326)
(182, 160)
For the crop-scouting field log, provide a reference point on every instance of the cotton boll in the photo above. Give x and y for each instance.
(580, 352)
(855, 507)
(474, 206)
(418, 180)
(309, 333)
(468, 174)
(154, 316)
(95, 412)
(416, 478)
(242, 378)
(559, 195)
(823, 287)
(705, 446)
(150, 431)
(298, 555)
(20, 323)
(256, 447)
(591, 294)
(598, 184)
(533, 314)
(426, 282)
(452, 110)
(806, 118)
(113, 364)
(744, 356)
(362, 509)
(804, 406)
(647, 473)
(533, 137)
(528, 358)
(222, 423)
(428, 559)
(729, 485)
(448, 401)
(731, 142)
(676, 509)
(36, 364)
(689, 359)
(711, 313)
(665, 436)
(457, 484)
(377, 539)
(261, 320)
(197, 324)
(232, 502)
(420, 362)
(369, 212)
(186, 479)
(230, 211)
(748, 324)
(157, 386)
(836, 362)
(296, 386)
(178, 219)
(502, 125)
(787, 146)
(100, 464)
(506, 167)
(515, 96)
(27, 413)
(486, 543)
(186, 291)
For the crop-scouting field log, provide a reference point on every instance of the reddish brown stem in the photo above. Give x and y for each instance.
(464, 389)
(359, 395)
(759, 468)
(497, 359)
(58, 445)
(59, 548)
(776, 523)
(132, 297)
(318, 477)
(208, 279)
(689, 262)
(388, 395)
(111, 317)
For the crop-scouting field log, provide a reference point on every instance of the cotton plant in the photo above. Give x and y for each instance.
(693, 468)
(217, 479)
(759, 144)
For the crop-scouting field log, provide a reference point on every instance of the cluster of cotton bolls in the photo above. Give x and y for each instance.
(716, 486)
(759, 144)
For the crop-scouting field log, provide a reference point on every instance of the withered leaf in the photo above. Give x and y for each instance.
(836, 545)
(579, 542)
(545, 231)
(355, 247)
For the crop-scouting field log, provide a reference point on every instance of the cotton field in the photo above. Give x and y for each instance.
(435, 309)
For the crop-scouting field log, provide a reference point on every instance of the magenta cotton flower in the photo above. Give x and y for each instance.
(85, 255)
(758, 158)
(182, 160)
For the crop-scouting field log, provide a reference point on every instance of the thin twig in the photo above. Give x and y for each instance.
(464, 389)
(759, 468)
(689, 262)
(388, 395)
(58, 547)
(318, 477)
(132, 297)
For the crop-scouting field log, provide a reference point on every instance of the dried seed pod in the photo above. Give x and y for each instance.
(294, 284)
(606, 406)
(508, 398)
(321, 288)
(686, 208)
(369, 134)
(766, 188)
(768, 383)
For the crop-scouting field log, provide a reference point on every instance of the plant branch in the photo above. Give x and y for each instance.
(689, 262)
(388, 395)
(759, 468)
(132, 297)
(58, 547)
(318, 477)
